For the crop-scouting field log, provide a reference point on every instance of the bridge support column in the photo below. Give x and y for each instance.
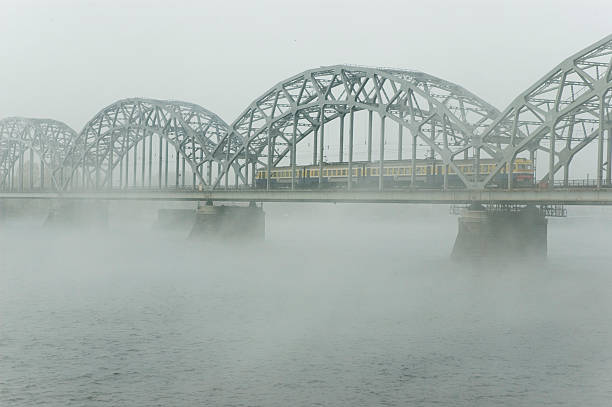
(18, 209)
(501, 235)
(229, 222)
(78, 214)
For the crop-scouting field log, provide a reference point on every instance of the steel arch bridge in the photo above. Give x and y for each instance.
(47, 143)
(129, 141)
(193, 135)
(440, 114)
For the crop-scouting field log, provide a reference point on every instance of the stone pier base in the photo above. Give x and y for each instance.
(78, 214)
(229, 222)
(492, 235)
(14, 209)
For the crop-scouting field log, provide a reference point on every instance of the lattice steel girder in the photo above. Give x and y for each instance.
(567, 109)
(49, 139)
(441, 114)
(198, 135)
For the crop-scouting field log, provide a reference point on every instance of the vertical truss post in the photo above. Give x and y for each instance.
(135, 160)
(150, 159)
(381, 165)
(183, 171)
(533, 166)
(210, 173)
(144, 157)
(127, 157)
(600, 142)
(176, 168)
(551, 158)
(121, 171)
(110, 162)
(31, 168)
(609, 159)
(400, 132)
(314, 145)
(269, 166)
(509, 171)
(166, 164)
(370, 113)
(477, 164)
(226, 164)
(160, 160)
(566, 174)
(341, 152)
(200, 168)
(97, 163)
(246, 163)
(321, 145)
(193, 158)
(293, 134)
(350, 152)
(88, 185)
(413, 163)
(21, 153)
(445, 176)
(42, 174)
(253, 174)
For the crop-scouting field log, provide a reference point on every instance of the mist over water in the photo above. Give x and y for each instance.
(341, 305)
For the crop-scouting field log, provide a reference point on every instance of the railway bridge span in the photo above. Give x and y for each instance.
(338, 116)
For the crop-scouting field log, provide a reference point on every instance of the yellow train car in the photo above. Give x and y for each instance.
(429, 173)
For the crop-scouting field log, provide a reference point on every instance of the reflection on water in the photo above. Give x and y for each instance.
(342, 305)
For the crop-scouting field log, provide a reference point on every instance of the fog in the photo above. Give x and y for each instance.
(346, 304)
(340, 305)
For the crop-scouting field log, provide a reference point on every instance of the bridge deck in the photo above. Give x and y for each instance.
(557, 196)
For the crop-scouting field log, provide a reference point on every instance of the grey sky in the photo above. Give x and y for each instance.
(68, 59)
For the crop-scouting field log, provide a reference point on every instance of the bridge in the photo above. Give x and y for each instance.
(330, 117)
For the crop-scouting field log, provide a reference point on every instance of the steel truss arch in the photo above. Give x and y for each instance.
(560, 114)
(192, 130)
(442, 115)
(49, 139)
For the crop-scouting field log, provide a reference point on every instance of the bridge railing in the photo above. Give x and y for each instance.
(580, 183)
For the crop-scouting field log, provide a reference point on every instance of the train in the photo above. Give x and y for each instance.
(396, 173)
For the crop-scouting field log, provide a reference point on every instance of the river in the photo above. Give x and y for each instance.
(342, 305)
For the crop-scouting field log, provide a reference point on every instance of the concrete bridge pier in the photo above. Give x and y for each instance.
(501, 234)
(74, 213)
(229, 222)
(19, 209)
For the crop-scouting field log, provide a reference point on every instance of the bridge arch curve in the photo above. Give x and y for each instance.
(191, 132)
(564, 112)
(48, 143)
(438, 114)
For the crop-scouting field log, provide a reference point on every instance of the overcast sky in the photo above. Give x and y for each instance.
(68, 59)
